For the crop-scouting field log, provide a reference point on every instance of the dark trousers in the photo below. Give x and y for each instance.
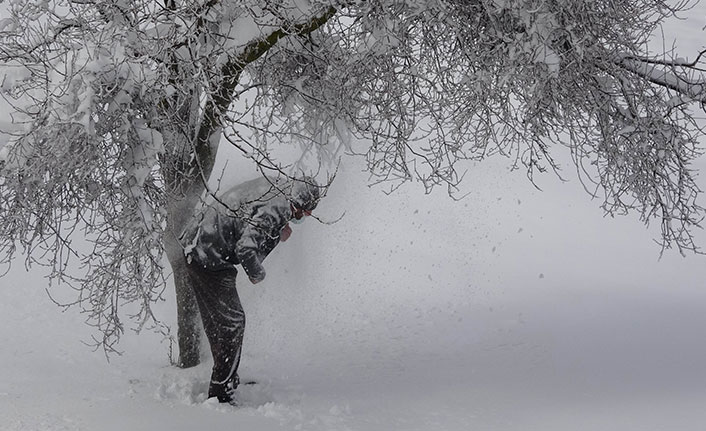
(224, 323)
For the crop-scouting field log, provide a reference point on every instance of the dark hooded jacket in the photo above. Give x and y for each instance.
(244, 224)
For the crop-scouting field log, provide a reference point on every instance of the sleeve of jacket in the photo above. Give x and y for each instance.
(257, 238)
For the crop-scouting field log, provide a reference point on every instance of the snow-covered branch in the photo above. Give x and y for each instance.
(677, 75)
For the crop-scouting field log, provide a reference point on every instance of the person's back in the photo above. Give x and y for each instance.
(211, 238)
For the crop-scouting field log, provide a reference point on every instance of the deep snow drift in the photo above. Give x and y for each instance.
(510, 310)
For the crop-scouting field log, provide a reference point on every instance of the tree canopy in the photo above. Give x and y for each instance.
(116, 109)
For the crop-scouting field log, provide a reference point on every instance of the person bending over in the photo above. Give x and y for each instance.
(241, 227)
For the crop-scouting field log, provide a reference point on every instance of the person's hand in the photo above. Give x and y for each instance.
(254, 279)
(252, 266)
(285, 233)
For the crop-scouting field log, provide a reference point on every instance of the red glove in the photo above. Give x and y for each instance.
(285, 233)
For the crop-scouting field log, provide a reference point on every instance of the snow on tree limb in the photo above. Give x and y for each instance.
(675, 75)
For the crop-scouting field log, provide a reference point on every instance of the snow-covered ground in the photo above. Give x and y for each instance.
(513, 309)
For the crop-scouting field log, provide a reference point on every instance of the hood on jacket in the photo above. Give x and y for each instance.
(305, 194)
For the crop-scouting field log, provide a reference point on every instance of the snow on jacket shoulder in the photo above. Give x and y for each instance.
(243, 231)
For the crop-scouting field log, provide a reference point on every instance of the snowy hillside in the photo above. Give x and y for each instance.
(513, 309)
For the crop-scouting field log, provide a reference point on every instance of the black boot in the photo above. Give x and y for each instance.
(225, 392)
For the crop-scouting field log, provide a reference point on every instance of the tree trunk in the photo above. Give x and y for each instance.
(188, 317)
